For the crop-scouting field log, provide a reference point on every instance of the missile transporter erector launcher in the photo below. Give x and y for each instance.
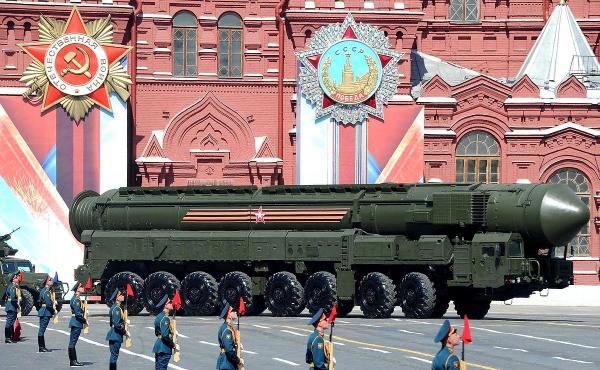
(290, 247)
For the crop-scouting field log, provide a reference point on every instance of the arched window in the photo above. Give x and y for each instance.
(478, 158)
(184, 44)
(230, 45)
(580, 245)
(464, 10)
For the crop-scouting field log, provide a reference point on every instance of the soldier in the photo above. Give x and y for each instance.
(164, 345)
(76, 323)
(13, 306)
(45, 312)
(315, 346)
(117, 328)
(445, 359)
(228, 358)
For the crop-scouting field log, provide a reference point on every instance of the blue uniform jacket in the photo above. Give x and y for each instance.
(77, 319)
(47, 309)
(117, 326)
(445, 360)
(12, 304)
(316, 347)
(162, 330)
(228, 359)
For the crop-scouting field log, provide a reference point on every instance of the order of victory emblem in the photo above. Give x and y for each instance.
(75, 64)
(349, 71)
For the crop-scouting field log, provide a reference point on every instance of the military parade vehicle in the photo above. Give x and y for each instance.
(32, 282)
(289, 247)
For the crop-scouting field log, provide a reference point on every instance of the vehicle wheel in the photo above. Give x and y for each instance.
(200, 294)
(135, 304)
(156, 286)
(345, 307)
(284, 294)
(26, 302)
(377, 296)
(474, 308)
(234, 285)
(320, 292)
(417, 295)
(442, 301)
(259, 305)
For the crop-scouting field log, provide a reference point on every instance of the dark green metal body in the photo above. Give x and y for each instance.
(488, 240)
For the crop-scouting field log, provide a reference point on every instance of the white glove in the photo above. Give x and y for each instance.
(177, 347)
(128, 322)
(334, 361)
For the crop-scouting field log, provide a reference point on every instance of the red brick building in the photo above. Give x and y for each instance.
(215, 87)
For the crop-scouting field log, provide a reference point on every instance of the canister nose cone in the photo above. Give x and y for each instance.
(562, 215)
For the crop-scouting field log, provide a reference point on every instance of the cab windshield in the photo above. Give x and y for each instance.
(13, 266)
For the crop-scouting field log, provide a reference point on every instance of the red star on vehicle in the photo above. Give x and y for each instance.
(260, 216)
(76, 26)
(348, 35)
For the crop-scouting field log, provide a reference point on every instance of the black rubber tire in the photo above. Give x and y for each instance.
(320, 292)
(26, 302)
(259, 305)
(377, 296)
(442, 300)
(284, 295)
(417, 295)
(344, 307)
(474, 308)
(156, 286)
(234, 285)
(135, 304)
(200, 294)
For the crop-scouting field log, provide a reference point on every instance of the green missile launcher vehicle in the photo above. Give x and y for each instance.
(289, 247)
(32, 281)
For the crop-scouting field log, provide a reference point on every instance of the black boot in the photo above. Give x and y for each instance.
(7, 336)
(112, 366)
(42, 344)
(74, 362)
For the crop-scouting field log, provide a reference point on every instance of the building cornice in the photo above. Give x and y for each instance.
(553, 130)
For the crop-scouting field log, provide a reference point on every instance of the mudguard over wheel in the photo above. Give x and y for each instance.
(320, 292)
(284, 294)
(26, 302)
(156, 286)
(135, 304)
(475, 308)
(377, 296)
(417, 295)
(442, 300)
(200, 294)
(234, 285)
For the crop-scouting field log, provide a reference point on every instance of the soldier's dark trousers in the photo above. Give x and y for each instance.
(162, 361)
(75, 333)
(44, 321)
(11, 317)
(114, 351)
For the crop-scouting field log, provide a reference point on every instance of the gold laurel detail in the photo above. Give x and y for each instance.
(51, 29)
(325, 71)
(365, 83)
(118, 80)
(101, 30)
(36, 81)
(77, 107)
(372, 79)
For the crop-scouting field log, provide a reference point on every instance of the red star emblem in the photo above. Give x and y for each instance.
(260, 216)
(348, 35)
(75, 63)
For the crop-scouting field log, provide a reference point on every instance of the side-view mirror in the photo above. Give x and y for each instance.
(32, 268)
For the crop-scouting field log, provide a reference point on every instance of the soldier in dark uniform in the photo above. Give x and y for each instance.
(45, 313)
(76, 324)
(228, 358)
(316, 357)
(164, 345)
(13, 306)
(117, 328)
(445, 359)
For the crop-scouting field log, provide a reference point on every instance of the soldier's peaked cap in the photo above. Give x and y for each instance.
(117, 291)
(318, 316)
(163, 301)
(225, 311)
(15, 274)
(444, 331)
(76, 286)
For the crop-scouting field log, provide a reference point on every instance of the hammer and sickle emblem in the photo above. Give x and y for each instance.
(81, 69)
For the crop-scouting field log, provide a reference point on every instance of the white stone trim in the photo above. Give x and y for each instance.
(141, 68)
(211, 74)
(253, 75)
(162, 50)
(553, 130)
(551, 101)
(399, 5)
(309, 4)
(273, 45)
(259, 19)
(294, 97)
(438, 132)
(369, 11)
(207, 51)
(369, 4)
(207, 18)
(142, 42)
(46, 3)
(402, 98)
(162, 73)
(339, 4)
(523, 181)
(273, 70)
(12, 90)
(152, 16)
(583, 258)
(585, 272)
(436, 100)
(153, 160)
(434, 180)
(253, 51)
